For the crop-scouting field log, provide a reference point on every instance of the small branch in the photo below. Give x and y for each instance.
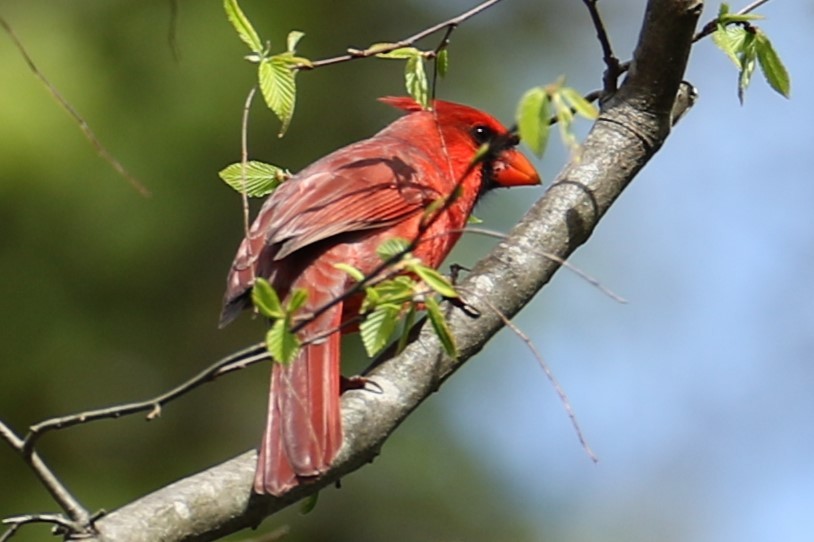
(406, 42)
(612, 72)
(244, 159)
(710, 27)
(83, 125)
(592, 96)
(443, 44)
(80, 517)
(61, 525)
(236, 361)
(561, 261)
(558, 389)
(707, 29)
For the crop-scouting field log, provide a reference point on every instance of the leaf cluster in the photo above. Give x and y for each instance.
(276, 73)
(748, 46)
(410, 286)
(415, 74)
(544, 105)
(282, 343)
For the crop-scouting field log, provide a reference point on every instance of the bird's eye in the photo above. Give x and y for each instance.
(482, 134)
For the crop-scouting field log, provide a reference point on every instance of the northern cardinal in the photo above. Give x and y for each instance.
(340, 209)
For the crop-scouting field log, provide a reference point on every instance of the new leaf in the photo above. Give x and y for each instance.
(244, 28)
(532, 119)
(257, 179)
(771, 65)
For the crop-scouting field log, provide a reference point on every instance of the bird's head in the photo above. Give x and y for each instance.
(471, 129)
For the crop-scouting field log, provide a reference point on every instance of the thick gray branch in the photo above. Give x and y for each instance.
(632, 127)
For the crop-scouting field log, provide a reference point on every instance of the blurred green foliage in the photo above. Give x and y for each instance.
(110, 297)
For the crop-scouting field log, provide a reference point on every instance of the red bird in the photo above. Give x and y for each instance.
(339, 210)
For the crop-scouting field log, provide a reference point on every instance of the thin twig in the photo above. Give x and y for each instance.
(558, 389)
(238, 360)
(706, 30)
(406, 42)
(244, 159)
(83, 125)
(611, 76)
(61, 525)
(11, 531)
(443, 44)
(80, 517)
(554, 258)
(592, 96)
(710, 27)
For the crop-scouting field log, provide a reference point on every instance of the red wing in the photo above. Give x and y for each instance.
(369, 185)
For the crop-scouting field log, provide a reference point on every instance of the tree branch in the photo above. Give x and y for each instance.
(612, 71)
(630, 130)
(78, 520)
(89, 134)
(238, 360)
(449, 25)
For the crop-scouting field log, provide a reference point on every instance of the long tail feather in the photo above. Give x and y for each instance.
(303, 432)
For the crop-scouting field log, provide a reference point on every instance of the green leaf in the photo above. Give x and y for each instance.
(392, 248)
(532, 119)
(378, 327)
(562, 110)
(565, 119)
(730, 40)
(442, 62)
(748, 60)
(439, 324)
(474, 220)
(281, 343)
(277, 84)
(771, 66)
(582, 106)
(244, 28)
(740, 18)
(435, 280)
(415, 80)
(353, 272)
(293, 39)
(372, 298)
(258, 179)
(745, 78)
(309, 503)
(726, 17)
(266, 299)
(296, 300)
(397, 291)
(409, 320)
(402, 53)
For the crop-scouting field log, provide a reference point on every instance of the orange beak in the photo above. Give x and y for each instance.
(511, 168)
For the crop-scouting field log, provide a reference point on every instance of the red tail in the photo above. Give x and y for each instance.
(303, 431)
